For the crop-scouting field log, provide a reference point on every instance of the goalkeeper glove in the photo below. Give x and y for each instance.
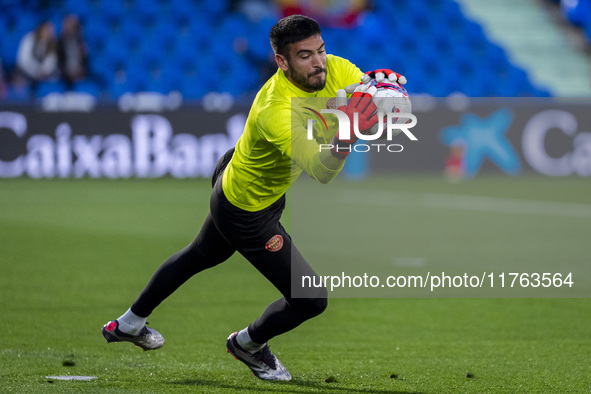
(379, 75)
(361, 103)
(383, 73)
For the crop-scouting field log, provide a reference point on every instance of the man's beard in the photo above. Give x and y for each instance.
(304, 81)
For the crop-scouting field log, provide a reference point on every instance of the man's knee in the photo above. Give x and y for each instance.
(319, 305)
(314, 306)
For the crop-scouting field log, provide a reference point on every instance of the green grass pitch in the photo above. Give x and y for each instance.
(75, 254)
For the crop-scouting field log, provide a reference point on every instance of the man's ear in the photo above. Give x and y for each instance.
(281, 62)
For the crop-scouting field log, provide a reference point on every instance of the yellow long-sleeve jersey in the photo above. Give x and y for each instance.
(274, 148)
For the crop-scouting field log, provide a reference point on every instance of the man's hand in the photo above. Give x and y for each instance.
(381, 74)
(361, 103)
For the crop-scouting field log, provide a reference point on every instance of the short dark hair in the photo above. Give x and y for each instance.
(292, 29)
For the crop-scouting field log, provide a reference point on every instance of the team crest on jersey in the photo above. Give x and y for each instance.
(275, 243)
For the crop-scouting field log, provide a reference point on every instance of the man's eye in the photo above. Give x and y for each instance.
(322, 51)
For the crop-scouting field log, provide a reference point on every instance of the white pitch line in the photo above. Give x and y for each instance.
(410, 262)
(466, 202)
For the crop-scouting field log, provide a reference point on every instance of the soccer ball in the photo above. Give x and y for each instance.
(392, 97)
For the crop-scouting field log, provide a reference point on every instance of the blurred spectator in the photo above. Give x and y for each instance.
(18, 88)
(37, 54)
(328, 13)
(454, 163)
(255, 10)
(72, 52)
(2, 82)
(266, 66)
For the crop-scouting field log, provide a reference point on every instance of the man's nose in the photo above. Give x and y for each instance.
(317, 61)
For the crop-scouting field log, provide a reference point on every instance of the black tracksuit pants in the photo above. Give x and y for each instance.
(262, 240)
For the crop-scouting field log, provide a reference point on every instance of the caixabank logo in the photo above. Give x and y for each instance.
(553, 141)
(42, 145)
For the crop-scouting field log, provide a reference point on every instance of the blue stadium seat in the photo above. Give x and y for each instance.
(451, 8)
(102, 70)
(408, 46)
(371, 29)
(337, 41)
(116, 83)
(239, 77)
(150, 51)
(118, 88)
(434, 7)
(111, 11)
(131, 33)
(422, 23)
(175, 8)
(430, 41)
(193, 89)
(160, 84)
(186, 47)
(115, 47)
(577, 12)
(444, 49)
(417, 7)
(172, 71)
(147, 10)
(200, 28)
(470, 77)
(260, 47)
(233, 27)
(214, 8)
(468, 87)
(587, 29)
(183, 7)
(87, 86)
(520, 80)
(26, 22)
(9, 44)
(415, 85)
(18, 94)
(456, 26)
(95, 31)
(56, 17)
(167, 76)
(138, 74)
(164, 34)
(461, 50)
(200, 76)
(473, 33)
(46, 87)
(78, 7)
(235, 23)
(3, 26)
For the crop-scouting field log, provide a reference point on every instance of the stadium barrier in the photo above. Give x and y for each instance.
(512, 136)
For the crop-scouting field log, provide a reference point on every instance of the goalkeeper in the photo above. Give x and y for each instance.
(249, 185)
